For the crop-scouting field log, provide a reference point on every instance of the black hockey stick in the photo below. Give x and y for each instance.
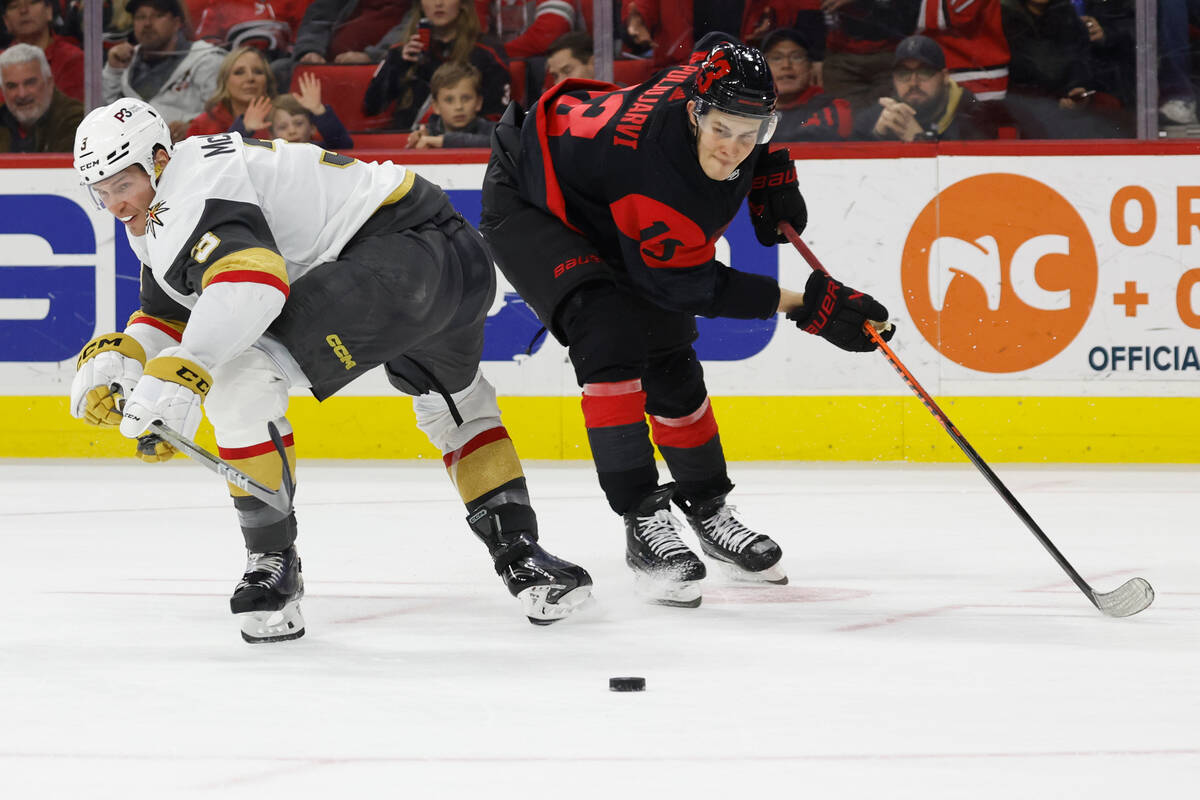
(1126, 600)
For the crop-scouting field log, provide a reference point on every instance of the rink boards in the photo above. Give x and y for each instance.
(1050, 302)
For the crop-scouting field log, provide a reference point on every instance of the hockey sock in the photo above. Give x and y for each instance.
(264, 528)
(482, 465)
(615, 415)
(691, 446)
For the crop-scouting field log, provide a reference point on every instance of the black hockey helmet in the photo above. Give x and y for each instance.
(734, 78)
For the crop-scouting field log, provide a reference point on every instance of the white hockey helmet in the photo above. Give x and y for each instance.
(116, 136)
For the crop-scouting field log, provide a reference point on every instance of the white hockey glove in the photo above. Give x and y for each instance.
(171, 390)
(108, 360)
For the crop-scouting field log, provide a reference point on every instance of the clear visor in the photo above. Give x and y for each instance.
(123, 186)
(746, 130)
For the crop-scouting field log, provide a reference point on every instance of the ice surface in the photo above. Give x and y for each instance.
(926, 647)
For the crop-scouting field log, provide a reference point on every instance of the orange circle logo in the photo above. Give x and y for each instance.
(999, 273)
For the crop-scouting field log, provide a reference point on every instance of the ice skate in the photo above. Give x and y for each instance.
(742, 554)
(267, 600)
(548, 587)
(665, 571)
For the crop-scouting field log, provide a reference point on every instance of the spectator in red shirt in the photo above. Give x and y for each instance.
(528, 27)
(28, 22)
(658, 29)
(242, 103)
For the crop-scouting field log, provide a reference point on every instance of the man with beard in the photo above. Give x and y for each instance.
(927, 104)
(31, 22)
(36, 117)
(167, 69)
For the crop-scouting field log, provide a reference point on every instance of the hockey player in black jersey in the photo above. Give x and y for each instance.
(267, 265)
(625, 193)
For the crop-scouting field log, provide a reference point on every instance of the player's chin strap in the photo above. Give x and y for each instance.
(279, 499)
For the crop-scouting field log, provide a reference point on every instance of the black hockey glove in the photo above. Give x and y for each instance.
(775, 197)
(837, 313)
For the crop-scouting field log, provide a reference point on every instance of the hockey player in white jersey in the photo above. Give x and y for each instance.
(267, 265)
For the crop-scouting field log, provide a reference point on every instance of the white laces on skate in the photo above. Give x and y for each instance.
(270, 563)
(661, 534)
(726, 531)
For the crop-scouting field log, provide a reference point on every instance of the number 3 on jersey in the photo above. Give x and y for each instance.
(581, 118)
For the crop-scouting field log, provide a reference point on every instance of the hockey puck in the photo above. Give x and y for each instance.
(627, 684)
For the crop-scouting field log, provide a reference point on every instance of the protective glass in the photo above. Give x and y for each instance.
(725, 125)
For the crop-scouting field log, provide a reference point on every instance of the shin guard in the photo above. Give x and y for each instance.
(264, 528)
(691, 446)
(615, 415)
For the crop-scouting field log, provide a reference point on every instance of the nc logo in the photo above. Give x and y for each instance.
(999, 273)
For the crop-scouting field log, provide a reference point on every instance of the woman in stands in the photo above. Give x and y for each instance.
(244, 83)
(403, 77)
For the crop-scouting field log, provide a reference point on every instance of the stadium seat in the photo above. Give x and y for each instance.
(380, 141)
(342, 89)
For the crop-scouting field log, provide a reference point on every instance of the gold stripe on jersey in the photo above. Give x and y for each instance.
(252, 259)
(157, 322)
(482, 470)
(400, 191)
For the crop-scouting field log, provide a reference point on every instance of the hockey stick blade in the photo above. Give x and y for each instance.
(280, 500)
(1126, 600)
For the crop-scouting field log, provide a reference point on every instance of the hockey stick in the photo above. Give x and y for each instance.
(279, 499)
(1126, 600)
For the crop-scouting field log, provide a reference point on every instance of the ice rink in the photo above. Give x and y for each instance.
(927, 646)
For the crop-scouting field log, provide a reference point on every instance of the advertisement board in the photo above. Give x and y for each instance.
(1059, 293)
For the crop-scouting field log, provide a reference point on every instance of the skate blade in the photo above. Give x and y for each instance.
(685, 594)
(774, 574)
(259, 627)
(541, 611)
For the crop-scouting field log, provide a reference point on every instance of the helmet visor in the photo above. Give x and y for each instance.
(124, 186)
(723, 124)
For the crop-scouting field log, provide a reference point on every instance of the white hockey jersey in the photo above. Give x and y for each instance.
(244, 219)
(223, 195)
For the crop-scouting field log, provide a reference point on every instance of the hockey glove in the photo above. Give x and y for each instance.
(837, 313)
(775, 197)
(171, 390)
(112, 359)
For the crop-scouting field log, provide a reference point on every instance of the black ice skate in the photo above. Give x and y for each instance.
(741, 553)
(665, 571)
(267, 600)
(548, 587)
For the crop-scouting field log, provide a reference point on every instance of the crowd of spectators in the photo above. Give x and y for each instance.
(442, 70)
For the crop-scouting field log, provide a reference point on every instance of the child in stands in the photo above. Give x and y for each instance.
(457, 99)
(294, 117)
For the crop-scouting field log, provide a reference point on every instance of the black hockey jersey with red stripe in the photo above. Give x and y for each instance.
(620, 167)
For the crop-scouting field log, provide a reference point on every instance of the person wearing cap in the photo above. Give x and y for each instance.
(927, 105)
(806, 112)
(35, 117)
(29, 22)
(166, 69)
